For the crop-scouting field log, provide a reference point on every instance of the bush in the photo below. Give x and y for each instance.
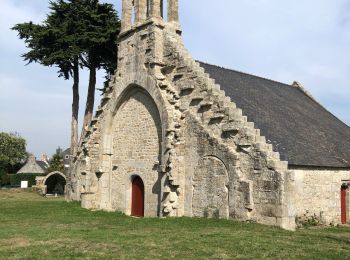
(15, 179)
(308, 220)
(4, 178)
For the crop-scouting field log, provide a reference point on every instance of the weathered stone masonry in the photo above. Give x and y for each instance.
(165, 120)
(318, 193)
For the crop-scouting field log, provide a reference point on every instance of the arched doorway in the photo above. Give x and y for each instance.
(55, 183)
(343, 200)
(137, 197)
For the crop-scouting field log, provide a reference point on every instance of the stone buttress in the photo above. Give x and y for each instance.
(164, 119)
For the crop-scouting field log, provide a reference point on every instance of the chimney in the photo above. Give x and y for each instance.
(44, 158)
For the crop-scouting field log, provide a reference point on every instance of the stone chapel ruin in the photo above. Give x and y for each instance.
(178, 137)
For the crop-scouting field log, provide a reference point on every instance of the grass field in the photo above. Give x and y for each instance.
(33, 227)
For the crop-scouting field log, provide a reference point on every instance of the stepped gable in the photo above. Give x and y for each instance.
(299, 128)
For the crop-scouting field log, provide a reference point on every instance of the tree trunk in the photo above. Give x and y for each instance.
(74, 127)
(75, 110)
(90, 101)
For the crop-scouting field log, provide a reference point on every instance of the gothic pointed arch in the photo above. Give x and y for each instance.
(135, 148)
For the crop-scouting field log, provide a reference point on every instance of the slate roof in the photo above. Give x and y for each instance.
(32, 166)
(42, 164)
(300, 129)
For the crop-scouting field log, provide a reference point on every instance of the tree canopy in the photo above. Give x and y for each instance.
(85, 29)
(56, 163)
(52, 43)
(12, 149)
(75, 34)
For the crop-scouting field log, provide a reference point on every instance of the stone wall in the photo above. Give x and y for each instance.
(317, 193)
(212, 125)
(231, 183)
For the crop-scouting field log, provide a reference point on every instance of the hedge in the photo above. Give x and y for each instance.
(17, 178)
(4, 178)
(14, 180)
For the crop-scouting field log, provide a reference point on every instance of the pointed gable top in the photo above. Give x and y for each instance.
(32, 166)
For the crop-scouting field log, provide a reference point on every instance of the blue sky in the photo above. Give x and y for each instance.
(307, 41)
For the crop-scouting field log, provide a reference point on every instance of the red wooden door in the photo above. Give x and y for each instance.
(343, 204)
(137, 197)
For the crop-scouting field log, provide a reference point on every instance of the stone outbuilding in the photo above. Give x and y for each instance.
(33, 166)
(178, 137)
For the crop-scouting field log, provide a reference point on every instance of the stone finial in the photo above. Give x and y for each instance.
(298, 85)
(126, 15)
(156, 8)
(140, 11)
(144, 9)
(173, 10)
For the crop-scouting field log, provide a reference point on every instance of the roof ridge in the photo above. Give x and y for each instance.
(245, 73)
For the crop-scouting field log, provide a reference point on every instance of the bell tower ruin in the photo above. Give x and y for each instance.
(143, 10)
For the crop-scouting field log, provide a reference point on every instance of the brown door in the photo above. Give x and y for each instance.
(343, 204)
(137, 200)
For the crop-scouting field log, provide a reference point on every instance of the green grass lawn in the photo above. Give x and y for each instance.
(33, 227)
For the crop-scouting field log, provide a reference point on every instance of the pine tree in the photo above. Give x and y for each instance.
(53, 43)
(98, 28)
(75, 34)
(56, 163)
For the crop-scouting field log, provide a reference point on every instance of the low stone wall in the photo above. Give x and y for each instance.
(317, 194)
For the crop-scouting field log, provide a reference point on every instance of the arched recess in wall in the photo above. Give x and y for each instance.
(137, 122)
(210, 191)
(157, 104)
(55, 183)
(136, 148)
